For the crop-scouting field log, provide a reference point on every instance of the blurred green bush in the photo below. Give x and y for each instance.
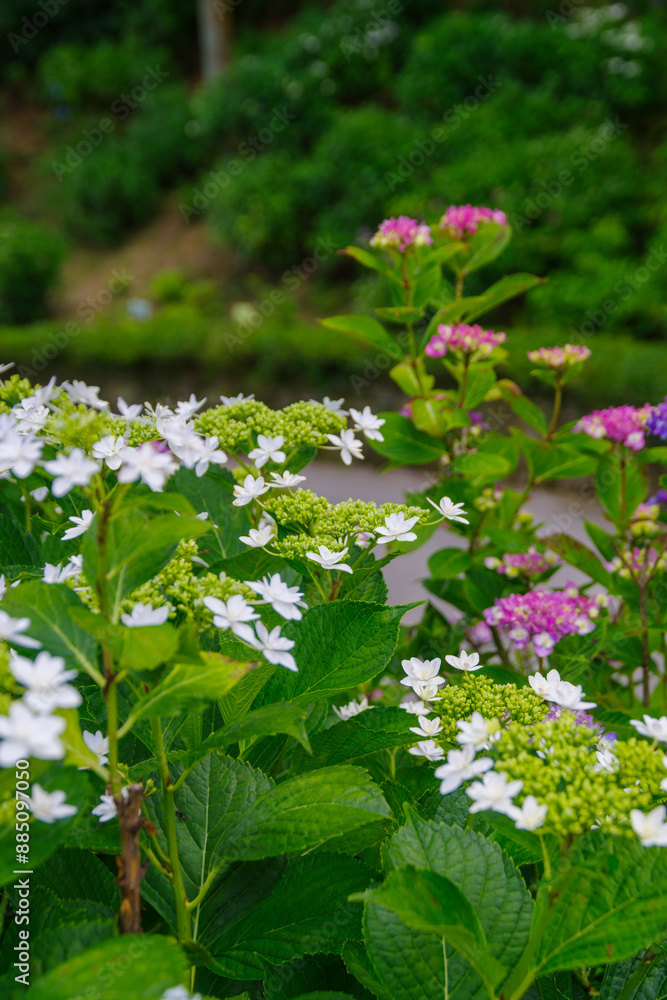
(30, 257)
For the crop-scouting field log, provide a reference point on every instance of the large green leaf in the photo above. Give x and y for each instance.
(643, 978)
(524, 407)
(139, 648)
(312, 974)
(380, 728)
(307, 811)
(578, 555)
(611, 902)
(506, 288)
(137, 548)
(213, 493)
(445, 564)
(431, 903)
(236, 703)
(307, 912)
(188, 686)
(366, 329)
(482, 467)
(80, 878)
(339, 645)
(494, 888)
(210, 804)
(44, 837)
(16, 547)
(283, 717)
(621, 485)
(48, 607)
(405, 445)
(139, 965)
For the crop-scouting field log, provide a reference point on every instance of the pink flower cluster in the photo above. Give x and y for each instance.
(634, 560)
(543, 616)
(624, 424)
(460, 220)
(559, 358)
(402, 233)
(472, 341)
(528, 563)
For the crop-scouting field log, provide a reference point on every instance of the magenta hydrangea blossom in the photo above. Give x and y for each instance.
(472, 341)
(528, 563)
(463, 220)
(559, 358)
(623, 424)
(543, 617)
(401, 233)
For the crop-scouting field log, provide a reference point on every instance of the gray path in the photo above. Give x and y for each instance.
(559, 510)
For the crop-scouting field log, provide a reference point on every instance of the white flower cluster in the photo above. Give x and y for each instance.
(559, 692)
(236, 613)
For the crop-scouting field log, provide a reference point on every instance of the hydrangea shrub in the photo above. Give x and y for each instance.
(226, 769)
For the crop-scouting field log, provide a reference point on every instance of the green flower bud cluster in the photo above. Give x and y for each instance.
(179, 586)
(13, 390)
(139, 432)
(580, 793)
(506, 702)
(76, 426)
(303, 511)
(299, 424)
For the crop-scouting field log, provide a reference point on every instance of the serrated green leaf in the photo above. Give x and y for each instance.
(380, 728)
(188, 686)
(295, 920)
(17, 548)
(339, 645)
(139, 965)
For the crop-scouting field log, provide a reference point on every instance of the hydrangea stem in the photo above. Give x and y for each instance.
(169, 810)
(558, 402)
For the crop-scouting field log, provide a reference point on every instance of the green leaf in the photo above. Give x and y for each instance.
(484, 874)
(435, 417)
(45, 838)
(236, 703)
(188, 686)
(653, 455)
(578, 555)
(506, 288)
(524, 408)
(611, 902)
(140, 648)
(404, 444)
(400, 314)
(379, 728)
(405, 377)
(440, 255)
(48, 607)
(305, 812)
(481, 379)
(16, 547)
(601, 539)
(339, 645)
(548, 460)
(621, 485)
(369, 259)
(140, 965)
(486, 244)
(210, 804)
(481, 467)
(80, 878)
(426, 287)
(366, 329)
(432, 904)
(293, 921)
(448, 563)
(644, 977)
(138, 547)
(213, 493)
(283, 717)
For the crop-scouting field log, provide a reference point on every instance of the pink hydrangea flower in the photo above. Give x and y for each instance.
(402, 233)
(623, 424)
(636, 559)
(543, 616)
(559, 358)
(528, 563)
(462, 220)
(472, 341)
